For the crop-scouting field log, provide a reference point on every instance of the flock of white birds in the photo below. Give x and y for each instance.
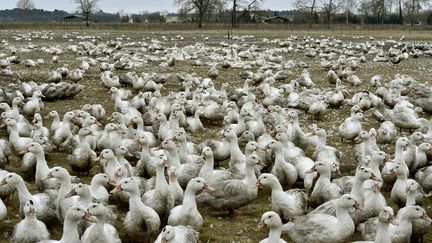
(146, 150)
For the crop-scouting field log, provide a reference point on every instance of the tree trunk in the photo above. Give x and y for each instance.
(200, 17)
(234, 13)
(400, 12)
(312, 14)
(87, 20)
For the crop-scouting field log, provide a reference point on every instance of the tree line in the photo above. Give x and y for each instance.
(250, 11)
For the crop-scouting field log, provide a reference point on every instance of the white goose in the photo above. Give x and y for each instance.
(44, 202)
(177, 234)
(141, 222)
(272, 221)
(324, 227)
(187, 214)
(287, 204)
(30, 229)
(70, 225)
(100, 231)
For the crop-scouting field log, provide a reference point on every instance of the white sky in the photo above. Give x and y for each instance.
(132, 6)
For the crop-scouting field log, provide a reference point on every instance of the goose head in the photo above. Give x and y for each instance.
(425, 147)
(412, 186)
(417, 212)
(168, 144)
(270, 219)
(167, 234)
(162, 161)
(402, 142)
(252, 160)
(320, 167)
(252, 146)
(122, 150)
(69, 116)
(119, 172)
(52, 114)
(97, 209)
(266, 179)
(197, 184)
(247, 135)
(34, 148)
(364, 173)
(11, 179)
(398, 169)
(100, 179)
(417, 137)
(78, 212)
(58, 173)
(85, 131)
(106, 154)
(29, 209)
(386, 215)
(378, 157)
(128, 185)
(361, 137)
(348, 201)
(207, 152)
(79, 189)
(37, 118)
(274, 145)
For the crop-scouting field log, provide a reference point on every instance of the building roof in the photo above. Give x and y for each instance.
(73, 16)
(276, 17)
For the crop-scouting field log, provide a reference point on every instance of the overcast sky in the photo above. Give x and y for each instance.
(132, 6)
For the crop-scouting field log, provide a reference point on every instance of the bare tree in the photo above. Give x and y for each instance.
(329, 8)
(246, 6)
(308, 5)
(413, 7)
(25, 4)
(201, 7)
(86, 8)
(347, 6)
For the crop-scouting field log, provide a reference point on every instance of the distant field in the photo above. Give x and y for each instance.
(423, 32)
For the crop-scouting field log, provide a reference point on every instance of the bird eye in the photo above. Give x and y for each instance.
(270, 217)
(126, 182)
(417, 209)
(94, 206)
(78, 209)
(56, 169)
(79, 186)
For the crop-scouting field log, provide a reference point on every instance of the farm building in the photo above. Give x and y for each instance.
(276, 20)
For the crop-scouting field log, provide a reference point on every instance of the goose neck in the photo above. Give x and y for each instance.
(274, 235)
(70, 231)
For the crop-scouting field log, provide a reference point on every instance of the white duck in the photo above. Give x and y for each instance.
(351, 127)
(400, 232)
(100, 231)
(324, 190)
(141, 222)
(82, 157)
(272, 221)
(44, 202)
(70, 225)
(287, 204)
(160, 198)
(62, 203)
(35, 104)
(187, 214)
(323, 227)
(385, 218)
(30, 229)
(283, 170)
(177, 234)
